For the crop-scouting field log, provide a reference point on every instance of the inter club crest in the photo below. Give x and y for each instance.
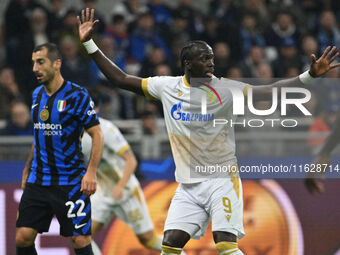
(44, 114)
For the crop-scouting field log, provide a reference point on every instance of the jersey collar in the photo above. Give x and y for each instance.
(186, 83)
(60, 89)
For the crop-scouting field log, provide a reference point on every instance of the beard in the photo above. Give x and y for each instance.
(47, 78)
(40, 82)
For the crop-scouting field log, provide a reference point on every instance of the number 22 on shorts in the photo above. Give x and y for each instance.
(227, 207)
(80, 212)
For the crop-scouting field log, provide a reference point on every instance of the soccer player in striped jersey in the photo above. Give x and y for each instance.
(55, 180)
(194, 140)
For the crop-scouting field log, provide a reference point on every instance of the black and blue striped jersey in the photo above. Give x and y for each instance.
(59, 121)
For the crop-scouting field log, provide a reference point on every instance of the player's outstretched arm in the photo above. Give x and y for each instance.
(27, 167)
(113, 73)
(89, 181)
(318, 68)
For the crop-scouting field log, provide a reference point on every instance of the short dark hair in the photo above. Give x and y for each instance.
(118, 18)
(53, 52)
(188, 51)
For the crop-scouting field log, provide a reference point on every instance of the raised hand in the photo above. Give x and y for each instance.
(86, 24)
(322, 65)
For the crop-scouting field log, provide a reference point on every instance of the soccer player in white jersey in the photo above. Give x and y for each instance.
(198, 199)
(118, 192)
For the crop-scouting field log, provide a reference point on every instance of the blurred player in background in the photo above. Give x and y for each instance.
(55, 180)
(119, 193)
(323, 158)
(198, 199)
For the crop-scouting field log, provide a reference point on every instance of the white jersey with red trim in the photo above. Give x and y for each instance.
(111, 167)
(198, 141)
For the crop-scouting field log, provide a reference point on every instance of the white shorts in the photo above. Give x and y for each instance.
(194, 205)
(133, 211)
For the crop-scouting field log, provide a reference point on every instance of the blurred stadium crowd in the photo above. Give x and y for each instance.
(259, 39)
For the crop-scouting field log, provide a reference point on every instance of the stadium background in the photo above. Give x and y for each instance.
(251, 38)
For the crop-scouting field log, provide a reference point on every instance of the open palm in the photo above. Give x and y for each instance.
(323, 64)
(86, 24)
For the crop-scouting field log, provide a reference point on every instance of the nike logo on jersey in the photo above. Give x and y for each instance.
(79, 226)
(34, 105)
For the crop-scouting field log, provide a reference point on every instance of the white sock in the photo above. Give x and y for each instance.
(95, 248)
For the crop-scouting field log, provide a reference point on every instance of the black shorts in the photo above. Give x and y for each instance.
(38, 204)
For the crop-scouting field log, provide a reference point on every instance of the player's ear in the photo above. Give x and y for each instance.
(187, 64)
(57, 64)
